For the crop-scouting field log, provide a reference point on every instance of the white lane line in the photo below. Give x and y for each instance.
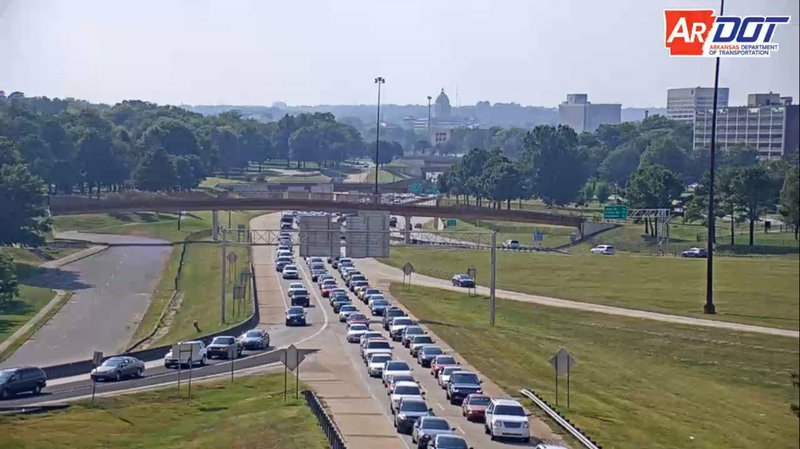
(441, 407)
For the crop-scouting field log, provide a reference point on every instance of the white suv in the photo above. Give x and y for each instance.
(507, 418)
(606, 250)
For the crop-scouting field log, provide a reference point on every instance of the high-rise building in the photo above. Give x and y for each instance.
(582, 115)
(684, 102)
(769, 124)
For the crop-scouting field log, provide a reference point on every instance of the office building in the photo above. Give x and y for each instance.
(582, 115)
(769, 124)
(684, 102)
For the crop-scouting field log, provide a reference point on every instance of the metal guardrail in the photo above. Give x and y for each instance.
(561, 420)
(328, 427)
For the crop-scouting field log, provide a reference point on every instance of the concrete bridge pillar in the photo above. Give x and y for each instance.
(214, 225)
(408, 228)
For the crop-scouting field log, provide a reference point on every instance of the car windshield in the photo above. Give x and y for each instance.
(223, 341)
(464, 378)
(422, 339)
(435, 424)
(284, 259)
(413, 406)
(294, 310)
(380, 302)
(115, 361)
(348, 309)
(328, 283)
(479, 400)
(377, 298)
(446, 360)
(403, 378)
(509, 410)
(397, 366)
(379, 359)
(414, 330)
(372, 291)
(407, 390)
(449, 370)
(6, 374)
(300, 292)
(253, 334)
(448, 442)
(358, 316)
(432, 350)
(358, 327)
(378, 345)
(290, 268)
(402, 321)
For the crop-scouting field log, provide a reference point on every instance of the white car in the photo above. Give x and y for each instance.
(355, 332)
(283, 253)
(370, 335)
(293, 287)
(290, 272)
(507, 418)
(511, 244)
(398, 325)
(345, 311)
(394, 367)
(404, 390)
(606, 250)
(375, 346)
(375, 363)
(444, 375)
(184, 353)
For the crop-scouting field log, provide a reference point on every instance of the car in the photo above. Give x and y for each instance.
(349, 273)
(512, 244)
(354, 278)
(394, 367)
(357, 318)
(334, 261)
(441, 361)
(190, 352)
(408, 411)
(375, 346)
(403, 390)
(355, 332)
(368, 291)
(339, 302)
(390, 314)
(606, 250)
(444, 375)
(359, 283)
(324, 277)
(506, 418)
(295, 315)
(374, 297)
(398, 325)
(409, 332)
(419, 341)
(290, 272)
(317, 272)
(301, 298)
(345, 310)
(294, 286)
(378, 306)
(338, 260)
(462, 384)
(473, 407)
(462, 280)
(28, 379)
(360, 287)
(695, 253)
(392, 221)
(426, 354)
(393, 379)
(344, 267)
(326, 287)
(283, 253)
(335, 293)
(375, 363)
(448, 441)
(369, 335)
(314, 261)
(427, 427)
(118, 368)
(548, 446)
(254, 339)
(221, 345)
(281, 262)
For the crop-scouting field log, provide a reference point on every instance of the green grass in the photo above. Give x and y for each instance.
(638, 383)
(748, 290)
(248, 414)
(523, 232)
(15, 313)
(35, 328)
(317, 177)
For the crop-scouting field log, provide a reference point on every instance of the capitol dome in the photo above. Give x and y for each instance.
(442, 105)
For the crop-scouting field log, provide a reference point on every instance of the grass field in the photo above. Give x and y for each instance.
(523, 232)
(762, 291)
(248, 414)
(638, 383)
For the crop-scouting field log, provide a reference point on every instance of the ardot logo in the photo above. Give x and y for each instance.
(698, 32)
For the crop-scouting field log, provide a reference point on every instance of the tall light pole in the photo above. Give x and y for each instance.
(709, 307)
(429, 116)
(379, 80)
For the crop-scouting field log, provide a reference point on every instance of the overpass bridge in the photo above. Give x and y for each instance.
(303, 201)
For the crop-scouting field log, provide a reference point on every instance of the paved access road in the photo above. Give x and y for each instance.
(112, 291)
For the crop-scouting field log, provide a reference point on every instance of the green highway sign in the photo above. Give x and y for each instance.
(450, 222)
(432, 190)
(415, 188)
(615, 212)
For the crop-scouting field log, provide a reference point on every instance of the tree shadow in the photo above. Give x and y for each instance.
(53, 278)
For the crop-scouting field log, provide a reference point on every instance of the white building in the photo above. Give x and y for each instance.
(582, 115)
(683, 103)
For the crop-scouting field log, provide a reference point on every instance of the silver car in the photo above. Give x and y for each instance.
(118, 368)
(427, 427)
(254, 339)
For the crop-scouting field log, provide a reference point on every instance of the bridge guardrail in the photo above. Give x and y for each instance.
(562, 421)
(325, 421)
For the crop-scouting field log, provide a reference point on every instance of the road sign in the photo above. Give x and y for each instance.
(293, 357)
(450, 222)
(97, 358)
(615, 212)
(562, 361)
(538, 236)
(432, 190)
(408, 269)
(232, 257)
(415, 188)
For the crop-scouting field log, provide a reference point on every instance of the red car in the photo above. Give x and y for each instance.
(357, 318)
(440, 362)
(474, 407)
(327, 287)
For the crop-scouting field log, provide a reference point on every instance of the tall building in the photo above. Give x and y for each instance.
(684, 102)
(582, 115)
(769, 124)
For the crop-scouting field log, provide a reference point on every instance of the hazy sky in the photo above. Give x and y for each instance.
(309, 52)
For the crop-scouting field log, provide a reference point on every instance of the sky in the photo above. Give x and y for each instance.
(309, 52)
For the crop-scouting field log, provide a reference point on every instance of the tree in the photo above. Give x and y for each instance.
(23, 216)
(188, 170)
(621, 162)
(602, 191)
(556, 165)
(156, 172)
(790, 199)
(173, 135)
(500, 181)
(389, 151)
(653, 187)
(8, 279)
(665, 152)
(755, 189)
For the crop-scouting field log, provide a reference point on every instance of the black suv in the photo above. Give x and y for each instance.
(18, 380)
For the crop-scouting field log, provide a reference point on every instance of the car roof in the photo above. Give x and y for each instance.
(506, 402)
(406, 383)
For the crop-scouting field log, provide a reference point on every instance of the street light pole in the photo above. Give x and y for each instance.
(709, 307)
(379, 80)
(429, 116)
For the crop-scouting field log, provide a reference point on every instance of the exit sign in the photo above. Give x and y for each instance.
(615, 212)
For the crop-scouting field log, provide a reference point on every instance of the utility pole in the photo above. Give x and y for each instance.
(429, 116)
(493, 277)
(224, 270)
(709, 307)
(379, 80)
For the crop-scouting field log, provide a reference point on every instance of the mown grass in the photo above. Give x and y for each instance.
(247, 414)
(748, 290)
(15, 313)
(638, 383)
(11, 348)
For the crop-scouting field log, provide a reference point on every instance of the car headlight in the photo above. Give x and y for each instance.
(401, 416)
(498, 423)
(524, 424)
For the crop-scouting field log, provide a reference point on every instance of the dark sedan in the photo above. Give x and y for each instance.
(118, 368)
(295, 316)
(462, 280)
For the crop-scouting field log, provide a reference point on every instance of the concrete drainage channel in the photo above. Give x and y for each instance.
(561, 420)
(325, 421)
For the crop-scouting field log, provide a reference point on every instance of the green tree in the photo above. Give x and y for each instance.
(790, 199)
(665, 152)
(8, 279)
(653, 187)
(755, 189)
(557, 167)
(23, 215)
(500, 181)
(602, 191)
(156, 172)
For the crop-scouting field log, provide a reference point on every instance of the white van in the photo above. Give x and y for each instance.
(185, 352)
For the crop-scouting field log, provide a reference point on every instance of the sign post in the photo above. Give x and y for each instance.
(97, 359)
(473, 274)
(232, 357)
(408, 269)
(562, 361)
(292, 358)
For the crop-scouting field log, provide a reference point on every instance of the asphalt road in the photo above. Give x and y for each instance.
(111, 294)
